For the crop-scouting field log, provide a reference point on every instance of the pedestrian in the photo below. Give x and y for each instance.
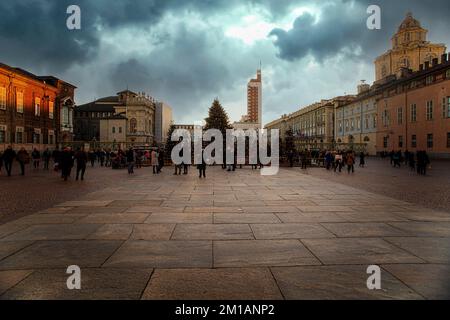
(23, 158)
(412, 161)
(36, 156)
(396, 159)
(328, 160)
(46, 155)
(81, 159)
(338, 162)
(362, 159)
(8, 157)
(350, 162)
(304, 159)
(66, 163)
(291, 158)
(130, 160)
(154, 160)
(91, 156)
(202, 168)
(56, 155)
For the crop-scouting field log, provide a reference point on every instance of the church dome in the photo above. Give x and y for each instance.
(409, 23)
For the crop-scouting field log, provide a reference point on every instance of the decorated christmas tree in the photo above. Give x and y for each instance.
(217, 118)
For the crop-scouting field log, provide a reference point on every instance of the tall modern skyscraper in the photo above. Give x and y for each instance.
(254, 99)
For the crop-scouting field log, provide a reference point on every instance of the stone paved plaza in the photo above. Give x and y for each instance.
(232, 236)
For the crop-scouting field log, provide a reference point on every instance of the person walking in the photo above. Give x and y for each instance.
(130, 160)
(8, 157)
(202, 168)
(350, 162)
(328, 160)
(154, 160)
(338, 162)
(46, 157)
(362, 159)
(56, 155)
(23, 158)
(36, 156)
(91, 156)
(66, 163)
(81, 158)
(304, 159)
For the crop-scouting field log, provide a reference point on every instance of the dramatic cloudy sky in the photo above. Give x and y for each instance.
(187, 52)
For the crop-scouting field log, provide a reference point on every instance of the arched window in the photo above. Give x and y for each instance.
(133, 125)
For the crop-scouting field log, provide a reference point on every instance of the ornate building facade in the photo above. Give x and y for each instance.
(137, 108)
(410, 49)
(30, 108)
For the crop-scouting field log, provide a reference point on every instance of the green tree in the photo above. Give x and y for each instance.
(217, 118)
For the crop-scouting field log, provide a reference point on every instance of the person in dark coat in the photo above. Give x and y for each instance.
(81, 159)
(362, 159)
(8, 157)
(130, 160)
(46, 155)
(202, 168)
(23, 158)
(36, 156)
(1, 161)
(56, 155)
(66, 163)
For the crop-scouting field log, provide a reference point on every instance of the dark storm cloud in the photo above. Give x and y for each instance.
(342, 28)
(34, 33)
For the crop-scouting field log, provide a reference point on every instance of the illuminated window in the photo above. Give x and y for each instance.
(19, 102)
(51, 109)
(3, 98)
(37, 107)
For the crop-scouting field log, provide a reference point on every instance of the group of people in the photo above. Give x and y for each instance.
(63, 160)
(133, 158)
(419, 161)
(331, 160)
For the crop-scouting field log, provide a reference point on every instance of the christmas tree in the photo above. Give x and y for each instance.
(217, 118)
(170, 144)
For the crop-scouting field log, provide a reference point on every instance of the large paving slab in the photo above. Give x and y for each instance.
(358, 251)
(53, 254)
(216, 284)
(162, 254)
(337, 283)
(96, 284)
(261, 253)
(431, 281)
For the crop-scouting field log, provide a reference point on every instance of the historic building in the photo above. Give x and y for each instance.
(163, 121)
(30, 108)
(410, 49)
(137, 108)
(114, 128)
(356, 122)
(312, 125)
(414, 110)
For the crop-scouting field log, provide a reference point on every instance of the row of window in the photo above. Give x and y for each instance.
(430, 141)
(429, 111)
(119, 129)
(86, 114)
(20, 104)
(350, 124)
(19, 137)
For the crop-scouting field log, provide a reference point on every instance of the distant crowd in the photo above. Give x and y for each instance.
(419, 161)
